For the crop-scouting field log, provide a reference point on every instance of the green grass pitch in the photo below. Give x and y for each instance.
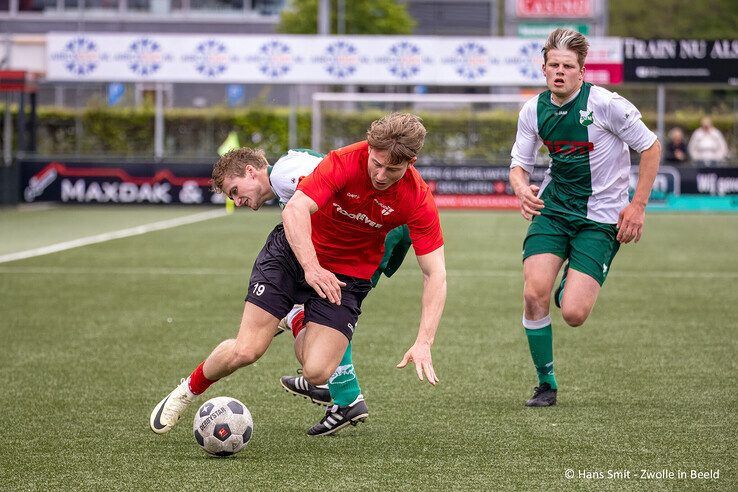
(94, 337)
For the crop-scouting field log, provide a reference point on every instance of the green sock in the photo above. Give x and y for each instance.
(343, 384)
(540, 341)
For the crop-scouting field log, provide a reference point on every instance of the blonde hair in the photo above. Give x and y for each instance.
(234, 163)
(402, 134)
(567, 39)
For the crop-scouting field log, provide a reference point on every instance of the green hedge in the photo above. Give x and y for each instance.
(197, 133)
(188, 132)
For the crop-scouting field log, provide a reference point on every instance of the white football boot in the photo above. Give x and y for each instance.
(170, 409)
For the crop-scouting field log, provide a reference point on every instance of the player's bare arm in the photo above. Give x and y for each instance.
(527, 193)
(298, 229)
(630, 221)
(433, 266)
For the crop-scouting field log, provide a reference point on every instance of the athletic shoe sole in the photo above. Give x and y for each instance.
(354, 422)
(539, 404)
(320, 403)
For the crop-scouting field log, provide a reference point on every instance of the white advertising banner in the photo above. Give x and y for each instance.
(380, 60)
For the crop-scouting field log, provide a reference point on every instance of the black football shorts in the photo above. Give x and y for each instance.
(277, 283)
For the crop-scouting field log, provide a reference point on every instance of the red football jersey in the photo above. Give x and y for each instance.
(353, 217)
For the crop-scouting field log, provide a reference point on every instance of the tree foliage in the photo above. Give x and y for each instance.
(361, 17)
(701, 19)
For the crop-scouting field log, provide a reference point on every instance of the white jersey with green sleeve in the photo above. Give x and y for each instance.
(286, 173)
(588, 138)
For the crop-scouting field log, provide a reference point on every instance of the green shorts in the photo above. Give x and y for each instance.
(590, 246)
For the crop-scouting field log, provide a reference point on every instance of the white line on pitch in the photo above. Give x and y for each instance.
(36, 207)
(53, 270)
(109, 236)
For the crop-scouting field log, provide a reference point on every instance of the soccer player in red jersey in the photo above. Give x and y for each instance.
(324, 256)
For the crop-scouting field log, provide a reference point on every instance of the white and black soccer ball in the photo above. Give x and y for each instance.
(223, 426)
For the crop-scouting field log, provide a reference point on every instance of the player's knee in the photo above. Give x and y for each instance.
(574, 316)
(316, 374)
(535, 297)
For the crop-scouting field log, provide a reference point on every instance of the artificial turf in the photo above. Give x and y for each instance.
(94, 337)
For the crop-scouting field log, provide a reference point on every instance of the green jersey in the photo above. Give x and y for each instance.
(587, 138)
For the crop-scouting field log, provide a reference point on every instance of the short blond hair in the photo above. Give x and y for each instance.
(402, 134)
(234, 163)
(567, 39)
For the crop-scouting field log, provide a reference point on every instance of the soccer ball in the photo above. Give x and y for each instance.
(223, 426)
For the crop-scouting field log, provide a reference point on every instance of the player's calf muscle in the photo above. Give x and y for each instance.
(228, 356)
(319, 365)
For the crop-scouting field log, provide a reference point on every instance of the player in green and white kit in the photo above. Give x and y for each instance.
(581, 211)
(244, 175)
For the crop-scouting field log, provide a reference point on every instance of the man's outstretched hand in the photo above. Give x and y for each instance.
(420, 355)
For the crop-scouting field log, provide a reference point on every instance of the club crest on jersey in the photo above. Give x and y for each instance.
(585, 117)
(386, 209)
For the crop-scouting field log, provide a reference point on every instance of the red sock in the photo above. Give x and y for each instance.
(198, 382)
(298, 323)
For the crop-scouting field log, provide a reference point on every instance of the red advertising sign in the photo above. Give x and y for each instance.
(494, 202)
(604, 73)
(554, 8)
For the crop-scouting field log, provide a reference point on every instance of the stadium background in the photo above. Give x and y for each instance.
(86, 307)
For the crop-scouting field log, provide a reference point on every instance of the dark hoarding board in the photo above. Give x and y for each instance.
(473, 186)
(77, 182)
(453, 186)
(715, 181)
(681, 60)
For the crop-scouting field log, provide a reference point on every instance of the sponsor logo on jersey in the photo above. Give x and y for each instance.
(353, 196)
(359, 217)
(568, 147)
(585, 117)
(562, 113)
(386, 209)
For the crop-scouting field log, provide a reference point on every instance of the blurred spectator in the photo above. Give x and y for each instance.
(676, 147)
(707, 145)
